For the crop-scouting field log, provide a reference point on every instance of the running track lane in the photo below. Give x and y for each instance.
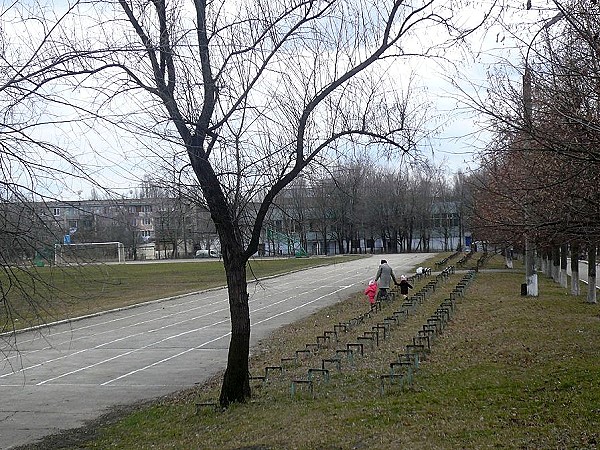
(62, 376)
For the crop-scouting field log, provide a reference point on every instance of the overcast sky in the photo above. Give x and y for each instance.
(124, 160)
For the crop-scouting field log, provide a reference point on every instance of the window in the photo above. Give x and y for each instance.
(56, 211)
(146, 221)
(147, 208)
(133, 222)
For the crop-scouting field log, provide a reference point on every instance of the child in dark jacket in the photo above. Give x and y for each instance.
(404, 286)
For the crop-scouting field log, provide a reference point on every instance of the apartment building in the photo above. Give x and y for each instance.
(149, 228)
(162, 228)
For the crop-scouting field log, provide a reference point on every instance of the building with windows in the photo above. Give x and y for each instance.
(149, 228)
(300, 222)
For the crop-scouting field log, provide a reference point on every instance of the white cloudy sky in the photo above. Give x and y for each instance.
(455, 145)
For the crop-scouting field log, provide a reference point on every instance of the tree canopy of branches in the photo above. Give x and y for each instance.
(366, 208)
(33, 168)
(251, 94)
(540, 181)
(541, 173)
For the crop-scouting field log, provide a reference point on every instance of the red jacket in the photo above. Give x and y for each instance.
(371, 292)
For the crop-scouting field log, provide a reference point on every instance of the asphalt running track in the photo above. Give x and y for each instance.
(64, 375)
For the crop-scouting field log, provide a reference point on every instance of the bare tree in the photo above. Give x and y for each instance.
(543, 166)
(253, 93)
(34, 170)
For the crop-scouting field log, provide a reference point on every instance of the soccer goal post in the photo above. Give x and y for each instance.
(89, 253)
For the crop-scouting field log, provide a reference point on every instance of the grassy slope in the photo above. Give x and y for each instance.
(509, 372)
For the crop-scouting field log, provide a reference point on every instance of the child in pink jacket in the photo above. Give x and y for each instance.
(371, 291)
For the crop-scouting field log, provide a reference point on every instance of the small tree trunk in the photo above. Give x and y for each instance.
(236, 381)
(543, 261)
(591, 297)
(556, 263)
(508, 258)
(548, 261)
(575, 290)
(563, 265)
(531, 277)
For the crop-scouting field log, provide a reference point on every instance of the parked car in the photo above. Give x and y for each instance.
(212, 253)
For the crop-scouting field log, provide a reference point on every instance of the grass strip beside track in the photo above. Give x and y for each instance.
(36, 295)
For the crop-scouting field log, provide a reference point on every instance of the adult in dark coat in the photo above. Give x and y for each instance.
(385, 275)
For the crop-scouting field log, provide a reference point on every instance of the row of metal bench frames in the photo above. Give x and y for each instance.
(447, 259)
(358, 346)
(402, 370)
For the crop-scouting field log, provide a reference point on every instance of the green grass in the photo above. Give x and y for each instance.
(508, 372)
(38, 295)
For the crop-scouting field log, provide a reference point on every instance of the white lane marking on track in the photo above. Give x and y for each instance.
(127, 353)
(118, 319)
(301, 306)
(143, 322)
(156, 363)
(158, 342)
(67, 356)
(170, 337)
(165, 305)
(225, 335)
(23, 369)
(123, 338)
(257, 309)
(129, 316)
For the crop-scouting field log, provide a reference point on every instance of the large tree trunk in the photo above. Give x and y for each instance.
(236, 381)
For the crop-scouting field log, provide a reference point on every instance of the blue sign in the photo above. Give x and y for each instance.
(67, 239)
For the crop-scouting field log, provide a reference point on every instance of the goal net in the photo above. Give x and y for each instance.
(91, 252)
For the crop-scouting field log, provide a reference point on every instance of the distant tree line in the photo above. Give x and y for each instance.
(360, 202)
(354, 205)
